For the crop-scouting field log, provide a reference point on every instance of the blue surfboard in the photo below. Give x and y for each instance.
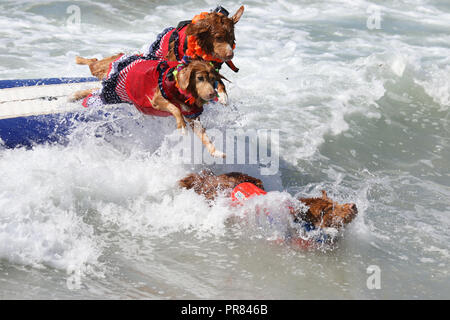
(34, 111)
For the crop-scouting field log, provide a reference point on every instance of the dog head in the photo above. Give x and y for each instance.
(325, 213)
(199, 79)
(215, 33)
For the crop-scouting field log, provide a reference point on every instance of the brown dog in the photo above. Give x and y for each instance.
(209, 36)
(214, 34)
(322, 213)
(158, 88)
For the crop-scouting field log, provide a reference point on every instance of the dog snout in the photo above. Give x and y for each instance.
(212, 95)
(229, 55)
(354, 208)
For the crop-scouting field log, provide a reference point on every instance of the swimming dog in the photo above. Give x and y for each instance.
(322, 212)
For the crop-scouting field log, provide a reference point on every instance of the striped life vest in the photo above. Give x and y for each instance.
(134, 79)
(160, 48)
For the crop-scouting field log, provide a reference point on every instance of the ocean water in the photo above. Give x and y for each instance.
(360, 93)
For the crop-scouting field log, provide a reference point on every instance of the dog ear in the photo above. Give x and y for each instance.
(201, 28)
(222, 77)
(184, 77)
(324, 195)
(238, 15)
(306, 216)
(309, 217)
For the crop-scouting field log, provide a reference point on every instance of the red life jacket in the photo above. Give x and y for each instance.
(244, 191)
(145, 77)
(247, 190)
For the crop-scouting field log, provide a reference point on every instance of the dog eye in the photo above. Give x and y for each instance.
(201, 79)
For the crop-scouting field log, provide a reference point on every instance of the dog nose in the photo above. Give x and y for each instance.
(212, 95)
(353, 208)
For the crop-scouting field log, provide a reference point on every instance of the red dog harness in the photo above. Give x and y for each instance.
(244, 191)
(142, 82)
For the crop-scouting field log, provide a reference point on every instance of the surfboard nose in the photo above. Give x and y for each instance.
(32, 110)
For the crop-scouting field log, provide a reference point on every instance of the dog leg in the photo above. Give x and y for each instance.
(160, 103)
(80, 94)
(223, 97)
(81, 60)
(201, 133)
(170, 56)
(99, 68)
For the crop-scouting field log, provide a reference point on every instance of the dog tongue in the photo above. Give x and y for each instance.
(232, 66)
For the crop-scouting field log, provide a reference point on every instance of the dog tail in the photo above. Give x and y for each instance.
(81, 60)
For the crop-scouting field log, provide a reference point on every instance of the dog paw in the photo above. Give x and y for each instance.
(223, 98)
(218, 154)
(73, 97)
(183, 131)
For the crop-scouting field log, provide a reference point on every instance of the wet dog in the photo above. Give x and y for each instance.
(157, 88)
(322, 212)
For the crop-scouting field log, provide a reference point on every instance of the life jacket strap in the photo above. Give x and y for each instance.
(161, 68)
(183, 24)
(175, 38)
